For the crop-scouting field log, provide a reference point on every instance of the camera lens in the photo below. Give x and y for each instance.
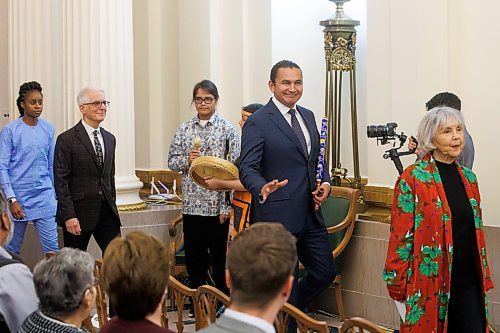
(376, 131)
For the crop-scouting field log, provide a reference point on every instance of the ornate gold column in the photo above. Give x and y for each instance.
(340, 57)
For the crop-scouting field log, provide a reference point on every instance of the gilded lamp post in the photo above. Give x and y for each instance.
(340, 57)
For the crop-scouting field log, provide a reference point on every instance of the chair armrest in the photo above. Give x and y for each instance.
(172, 226)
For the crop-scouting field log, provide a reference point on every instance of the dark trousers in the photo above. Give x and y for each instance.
(315, 253)
(107, 229)
(466, 311)
(205, 244)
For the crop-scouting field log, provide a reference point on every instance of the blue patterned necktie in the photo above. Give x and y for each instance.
(98, 149)
(298, 130)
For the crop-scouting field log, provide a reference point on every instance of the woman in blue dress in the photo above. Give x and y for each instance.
(26, 176)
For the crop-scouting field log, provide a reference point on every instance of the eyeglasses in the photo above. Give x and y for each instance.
(98, 103)
(207, 100)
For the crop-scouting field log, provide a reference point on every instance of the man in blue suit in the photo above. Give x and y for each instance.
(280, 146)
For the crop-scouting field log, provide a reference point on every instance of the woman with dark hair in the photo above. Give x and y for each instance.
(205, 211)
(26, 175)
(436, 264)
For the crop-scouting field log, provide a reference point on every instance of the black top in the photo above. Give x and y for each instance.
(464, 273)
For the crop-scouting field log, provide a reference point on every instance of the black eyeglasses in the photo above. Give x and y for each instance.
(207, 100)
(98, 103)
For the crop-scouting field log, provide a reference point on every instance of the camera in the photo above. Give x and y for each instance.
(386, 133)
(380, 131)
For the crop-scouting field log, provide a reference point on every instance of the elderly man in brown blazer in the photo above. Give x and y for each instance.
(84, 176)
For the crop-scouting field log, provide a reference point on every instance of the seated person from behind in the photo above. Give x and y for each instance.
(17, 292)
(65, 285)
(260, 267)
(135, 274)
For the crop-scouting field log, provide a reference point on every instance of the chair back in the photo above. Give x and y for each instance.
(305, 324)
(361, 325)
(100, 301)
(180, 294)
(176, 243)
(209, 299)
(339, 212)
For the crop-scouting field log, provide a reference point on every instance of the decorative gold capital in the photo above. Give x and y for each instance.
(340, 54)
(132, 207)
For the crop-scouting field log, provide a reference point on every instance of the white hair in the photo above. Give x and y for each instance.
(435, 119)
(61, 281)
(82, 97)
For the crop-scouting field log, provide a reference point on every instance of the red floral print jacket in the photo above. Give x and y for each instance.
(420, 253)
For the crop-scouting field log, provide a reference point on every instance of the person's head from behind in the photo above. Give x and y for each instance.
(441, 132)
(65, 284)
(205, 98)
(247, 111)
(6, 223)
(93, 105)
(30, 99)
(444, 99)
(285, 82)
(135, 274)
(260, 265)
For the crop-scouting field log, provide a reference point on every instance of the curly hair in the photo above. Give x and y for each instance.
(24, 90)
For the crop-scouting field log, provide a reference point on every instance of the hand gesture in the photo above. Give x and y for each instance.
(193, 154)
(271, 187)
(223, 218)
(17, 211)
(413, 145)
(321, 193)
(214, 184)
(73, 226)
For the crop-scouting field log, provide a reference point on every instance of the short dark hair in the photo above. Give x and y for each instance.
(135, 274)
(24, 89)
(208, 86)
(282, 64)
(251, 108)
(260, 260)
(444, 99)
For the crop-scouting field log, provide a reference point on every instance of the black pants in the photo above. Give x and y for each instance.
(205, 243)
(107, 229)
(466, 311)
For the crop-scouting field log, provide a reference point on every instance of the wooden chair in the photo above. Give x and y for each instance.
(176, 255)
(357, 324)
(339, 212)
(208, 301)
(180, 294)
(305, 324)
(100, 301)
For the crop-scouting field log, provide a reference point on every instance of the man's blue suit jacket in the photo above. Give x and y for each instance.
(271, 150)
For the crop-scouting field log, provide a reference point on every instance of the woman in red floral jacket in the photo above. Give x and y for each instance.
(436, 261)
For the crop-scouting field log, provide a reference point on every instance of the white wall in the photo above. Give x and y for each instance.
(417, 49)
(298, 36)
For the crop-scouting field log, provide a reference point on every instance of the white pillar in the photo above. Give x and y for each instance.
(76, 43)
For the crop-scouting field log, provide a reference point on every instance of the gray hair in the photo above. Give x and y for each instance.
(61, 281)
(82, 97)
(433, 120)
(4, 208)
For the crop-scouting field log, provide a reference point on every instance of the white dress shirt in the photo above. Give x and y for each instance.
(284, 110)
(90, 131)
(250, 320)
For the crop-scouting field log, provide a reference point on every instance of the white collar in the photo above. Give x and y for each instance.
(90, 130)
(282, 107)
(4, 253)
(249, 319)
